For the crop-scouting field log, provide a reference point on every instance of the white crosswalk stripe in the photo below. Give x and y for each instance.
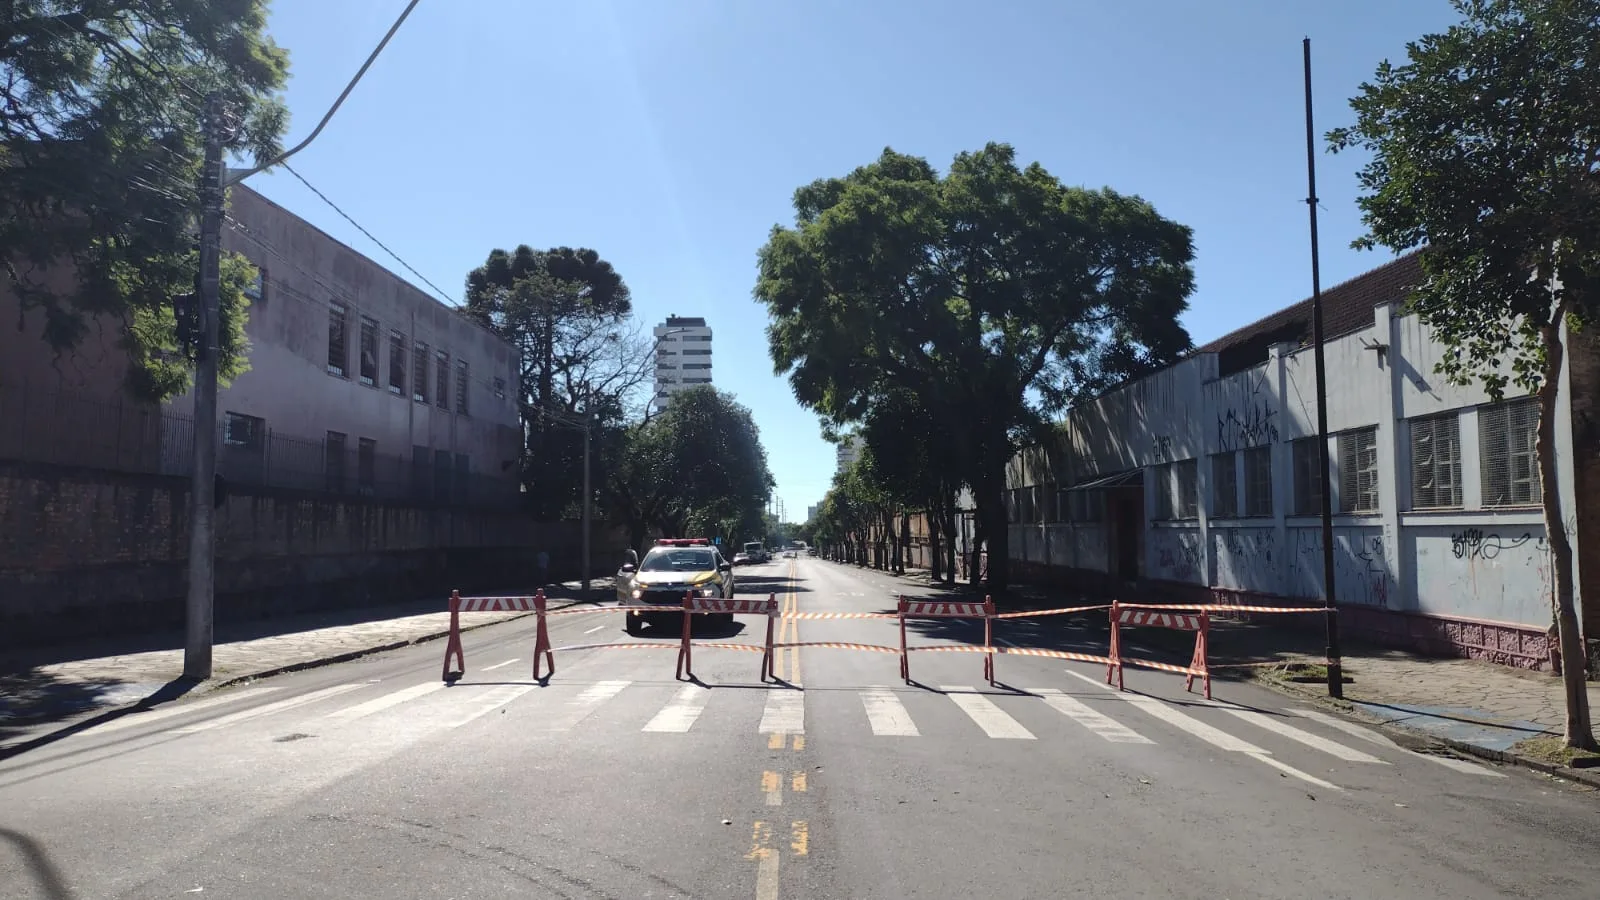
(785, 712)
(1367, 734)
(267, 710)
(992, 719)
(387, 700)
(886, 714)
(578, 708)
(680, 715)
(485, 703)
(1332, 748)
(1092, 719)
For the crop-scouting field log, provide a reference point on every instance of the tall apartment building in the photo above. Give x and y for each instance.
(848, 452)
(683, 357)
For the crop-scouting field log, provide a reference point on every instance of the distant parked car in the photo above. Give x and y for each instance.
(741, 559)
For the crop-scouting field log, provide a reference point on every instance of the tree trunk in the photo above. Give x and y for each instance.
(996, 533)
(905, 541)
(1579, 732)
(935, 548)
(947, 515)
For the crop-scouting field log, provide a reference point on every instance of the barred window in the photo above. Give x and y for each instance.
(338, 344)
(461, 386)
(397, 363)
(1436, 462)
(369, 350)
(1307, 476)
(1188, 489)
(1165, 508)
(1258, 481)
(1507, 461)
(1224, 485)
(1358, 471)
(419, 379)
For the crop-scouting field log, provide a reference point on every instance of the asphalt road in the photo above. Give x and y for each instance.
(372, 779)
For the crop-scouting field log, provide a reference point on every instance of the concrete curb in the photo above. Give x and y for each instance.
(1584, 776)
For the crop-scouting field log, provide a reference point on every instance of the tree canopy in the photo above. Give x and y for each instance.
(698, 468)
(567, 311)
(100, 145)
(995, 295)
(1484, 149)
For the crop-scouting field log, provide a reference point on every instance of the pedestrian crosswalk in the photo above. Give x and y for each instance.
(1085, 707)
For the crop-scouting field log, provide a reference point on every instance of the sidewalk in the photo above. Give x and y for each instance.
(1491, 711)
(60, 681)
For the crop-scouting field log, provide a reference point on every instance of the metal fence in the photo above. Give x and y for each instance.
(123, 435)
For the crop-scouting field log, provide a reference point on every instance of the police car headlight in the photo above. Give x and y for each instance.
(637, 593)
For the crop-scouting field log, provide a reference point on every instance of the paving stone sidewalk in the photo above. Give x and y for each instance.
(62, 681)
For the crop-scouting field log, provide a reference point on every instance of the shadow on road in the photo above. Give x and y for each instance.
(37, 862)
(172, 690)
(769, 584)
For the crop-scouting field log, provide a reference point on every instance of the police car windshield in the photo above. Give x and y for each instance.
(691, 559)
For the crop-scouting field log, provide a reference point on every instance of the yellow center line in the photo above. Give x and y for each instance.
(772, 786)
(800, 833)
(797, 783)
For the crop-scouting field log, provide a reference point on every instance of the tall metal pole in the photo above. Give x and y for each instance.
(198, 629)
(1329, 592)
(588, 492)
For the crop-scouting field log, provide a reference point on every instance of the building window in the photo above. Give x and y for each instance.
(369, 351)
(441, 379)
(1508, 464)
(239, 430)
(257, 289)
(1307, 477)
(1358, 471)
(462, 375)
(499, 388)
(706, 352)
(1163, 486)
(419, 380)
(1224, 486)
(1258, 481)
(397, 363)
(334, 449)
(366, 466)
(1188, 488)
(338, 349)
(1436, 462)
(697, 381)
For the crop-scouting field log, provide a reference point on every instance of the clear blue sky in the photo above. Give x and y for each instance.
(670, 135)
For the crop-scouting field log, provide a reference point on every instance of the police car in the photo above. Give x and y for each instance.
(668, 570)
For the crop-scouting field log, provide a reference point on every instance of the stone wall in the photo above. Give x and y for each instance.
(88, 553)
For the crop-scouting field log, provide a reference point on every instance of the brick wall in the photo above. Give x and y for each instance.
(85, 553)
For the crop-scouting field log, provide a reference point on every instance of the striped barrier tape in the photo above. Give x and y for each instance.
(1022, 614)
(824, 616)
(1223, 607)
(626, 646)
(1054, 654)
(840, 645)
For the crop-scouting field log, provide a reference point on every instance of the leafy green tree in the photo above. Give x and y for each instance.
(915, 464)
(697, 468)
(100, 147)
(1484, 147)
(567, 312)
(977, 291)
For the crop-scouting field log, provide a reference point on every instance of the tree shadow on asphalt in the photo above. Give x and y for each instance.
(44, 699)
(768, 584)
(37, 862)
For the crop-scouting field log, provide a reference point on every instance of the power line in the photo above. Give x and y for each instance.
(364, 231)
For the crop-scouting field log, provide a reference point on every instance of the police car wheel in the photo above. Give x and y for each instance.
(632, 624)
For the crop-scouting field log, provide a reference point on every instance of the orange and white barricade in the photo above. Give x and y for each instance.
(693, 605)
(460, 604)
(1197, 621)
(948, 609)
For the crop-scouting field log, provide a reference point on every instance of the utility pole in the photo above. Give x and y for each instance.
(202, 525)
(588, 492)
(1329, 594)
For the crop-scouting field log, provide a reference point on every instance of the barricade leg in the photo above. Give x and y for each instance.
(453, 644)
(905, 658)
(988, 639)
(1115, 653)
(685, 654)
(1198, 663)
(541, 640)
(767, 654)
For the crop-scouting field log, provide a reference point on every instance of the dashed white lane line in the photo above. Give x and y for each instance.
(500, 665)
(594, 629)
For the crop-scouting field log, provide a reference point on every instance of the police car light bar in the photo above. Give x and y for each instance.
(682, 542)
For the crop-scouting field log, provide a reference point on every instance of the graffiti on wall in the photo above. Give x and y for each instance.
(1246, 558)
(1475, 543)
(1360, 572)
(1252, 423)
(1175, 554)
